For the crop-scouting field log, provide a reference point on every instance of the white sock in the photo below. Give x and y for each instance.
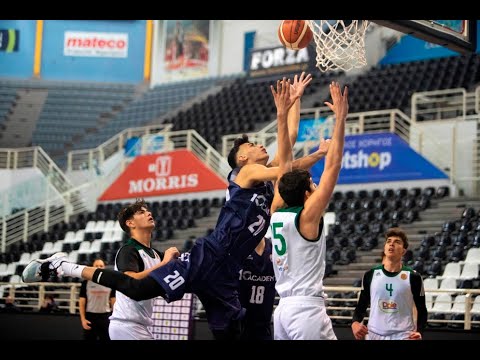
(73, 270)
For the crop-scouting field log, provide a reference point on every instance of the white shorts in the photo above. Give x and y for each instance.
(302, 318)
(397, 336)
(128, 330)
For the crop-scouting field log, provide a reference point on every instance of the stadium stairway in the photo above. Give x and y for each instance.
(430, 221)
(202, 225)
(21, 122)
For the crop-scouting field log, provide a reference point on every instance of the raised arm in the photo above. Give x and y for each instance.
(296, 91)
(252, 173)
(283, 102)
(315, 205)
(308, 161)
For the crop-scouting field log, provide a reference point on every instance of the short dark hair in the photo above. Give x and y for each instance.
(232, 156)
(396, 231)
(99, 259)
(292, 186)
(128, 211)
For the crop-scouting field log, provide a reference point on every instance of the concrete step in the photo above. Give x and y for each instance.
(349, 273)
(377, 251)
(335, 280)
(179, 236)
(373, 259)
(458, 202)
(353, 266)
(424, 223)
(440, 214)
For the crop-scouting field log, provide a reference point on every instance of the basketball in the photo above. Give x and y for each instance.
(295, 34)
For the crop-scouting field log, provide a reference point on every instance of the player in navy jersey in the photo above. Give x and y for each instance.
(210, 269)
(257, 281)
(257, 292)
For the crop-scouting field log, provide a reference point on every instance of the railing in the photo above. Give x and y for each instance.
(477, 100)
(341, 303)
(394, 121)
(441, 104)
(57, 208)
(36, 157)
(191, 140)
(31, 297)
(91, 158)
(67, 297)
(60, 207)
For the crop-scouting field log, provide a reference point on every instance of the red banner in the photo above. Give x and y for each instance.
(175, 172)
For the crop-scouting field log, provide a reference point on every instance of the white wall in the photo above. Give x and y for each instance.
(376, 40)
(11, 178)
(449, 143)
(22, 188)
(232, 41)
(230, 44)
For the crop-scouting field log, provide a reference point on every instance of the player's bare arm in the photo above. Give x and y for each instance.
(170, 253)
(296, 92)
(283, 102)
(250, 174)
(315, 205)
(308, 161)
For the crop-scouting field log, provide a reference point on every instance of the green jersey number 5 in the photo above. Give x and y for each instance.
(277, 236)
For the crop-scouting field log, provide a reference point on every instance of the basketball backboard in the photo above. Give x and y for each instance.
(456, 35)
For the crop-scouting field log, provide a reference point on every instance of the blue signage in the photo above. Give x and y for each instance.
(410, 48)
(379, 158)
(309, 129)
(154, 144)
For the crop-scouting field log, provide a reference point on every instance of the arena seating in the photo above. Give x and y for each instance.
(243, 106)
(98, 233)
(151, 106)
(391, 86)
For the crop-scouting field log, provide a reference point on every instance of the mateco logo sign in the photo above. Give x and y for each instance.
(388, 306)
(95, 44)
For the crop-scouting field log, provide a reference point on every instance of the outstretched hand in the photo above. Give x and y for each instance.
(324, 145)
(299, 85)
(340, 101)
(281, 95)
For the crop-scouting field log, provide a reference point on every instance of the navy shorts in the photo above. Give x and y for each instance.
(173, 277)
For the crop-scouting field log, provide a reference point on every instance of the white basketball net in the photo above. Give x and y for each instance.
(340, 44)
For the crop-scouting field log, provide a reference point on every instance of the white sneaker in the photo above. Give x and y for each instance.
(44, 269)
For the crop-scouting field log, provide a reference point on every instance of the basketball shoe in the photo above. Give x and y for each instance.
(44, 269)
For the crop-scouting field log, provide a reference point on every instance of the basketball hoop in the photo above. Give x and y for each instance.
(340, 44)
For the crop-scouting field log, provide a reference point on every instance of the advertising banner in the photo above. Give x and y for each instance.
(379, 158)
(9, 40)
(95, 44)
(278, 60)
(186, 49)
(175, 172)
(311, 129)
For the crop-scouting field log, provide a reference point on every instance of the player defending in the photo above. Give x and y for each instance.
(298, 240)
(210, 270)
